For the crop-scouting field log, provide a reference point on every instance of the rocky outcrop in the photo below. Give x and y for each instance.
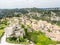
(14, 30)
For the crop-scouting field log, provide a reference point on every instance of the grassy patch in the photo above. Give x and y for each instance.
(1, 33)
(39, 38)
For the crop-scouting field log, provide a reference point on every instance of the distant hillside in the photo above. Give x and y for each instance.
(30, 12)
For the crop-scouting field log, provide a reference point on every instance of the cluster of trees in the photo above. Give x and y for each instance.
(10, 12)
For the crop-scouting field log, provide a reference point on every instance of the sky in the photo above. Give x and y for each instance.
(29, 3)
